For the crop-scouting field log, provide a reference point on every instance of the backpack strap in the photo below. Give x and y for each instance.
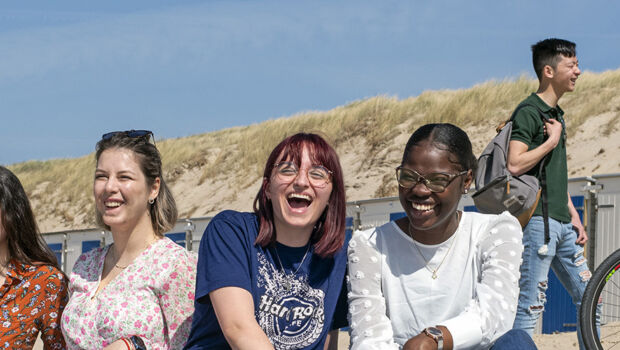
(542, 176)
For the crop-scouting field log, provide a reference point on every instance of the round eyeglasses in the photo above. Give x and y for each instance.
(435, 182)
(317, 175)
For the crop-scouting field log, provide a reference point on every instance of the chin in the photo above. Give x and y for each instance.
(111, 222)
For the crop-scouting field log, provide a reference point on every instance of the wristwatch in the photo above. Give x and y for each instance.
(137, 343)
(436, 334)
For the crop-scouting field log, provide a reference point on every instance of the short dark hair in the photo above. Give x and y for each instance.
(548, 52)
(328, 236)
(447, 137)
(25, 243)
(164, 209)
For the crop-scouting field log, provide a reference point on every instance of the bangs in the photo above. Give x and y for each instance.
(293, 152)
(330, 234)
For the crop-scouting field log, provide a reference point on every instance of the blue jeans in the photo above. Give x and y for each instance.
(563, 256)
(514, 339)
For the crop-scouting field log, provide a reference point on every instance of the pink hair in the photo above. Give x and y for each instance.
(328, 236)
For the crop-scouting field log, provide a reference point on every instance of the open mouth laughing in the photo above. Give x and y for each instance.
(422, 206)
(299, 200)
(112, 203)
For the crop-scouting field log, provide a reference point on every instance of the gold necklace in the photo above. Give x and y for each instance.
(124, 267)
(434, 272)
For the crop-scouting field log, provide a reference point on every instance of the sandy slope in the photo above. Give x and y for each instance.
(590, 152)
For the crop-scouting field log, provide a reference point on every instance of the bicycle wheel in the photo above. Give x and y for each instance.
(603, 288)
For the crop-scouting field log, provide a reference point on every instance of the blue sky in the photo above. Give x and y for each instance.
(73, 70)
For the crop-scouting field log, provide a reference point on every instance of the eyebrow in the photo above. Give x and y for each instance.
(121, 172)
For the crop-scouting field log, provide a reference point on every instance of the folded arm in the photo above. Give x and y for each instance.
(491, 312)
(370, 327)
(520, 159)
(234, 309)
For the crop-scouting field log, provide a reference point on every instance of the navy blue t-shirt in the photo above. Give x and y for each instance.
(297, 317)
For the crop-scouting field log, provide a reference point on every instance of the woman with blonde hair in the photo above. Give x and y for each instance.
(136, 293)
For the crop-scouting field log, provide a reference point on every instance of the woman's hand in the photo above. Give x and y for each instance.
(420, 342)
(424, 342)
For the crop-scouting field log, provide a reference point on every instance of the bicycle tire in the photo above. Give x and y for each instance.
(587, 318)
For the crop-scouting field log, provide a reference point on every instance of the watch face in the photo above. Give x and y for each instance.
(434, 331)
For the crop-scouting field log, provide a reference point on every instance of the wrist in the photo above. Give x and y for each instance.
(436, 335)
(137, 343)
(127, 343)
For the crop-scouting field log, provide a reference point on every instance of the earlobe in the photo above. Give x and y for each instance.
(469, 178)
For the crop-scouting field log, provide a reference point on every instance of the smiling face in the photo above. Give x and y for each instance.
(121, 190)
(431, 215)
(566, 73)
(297, 204)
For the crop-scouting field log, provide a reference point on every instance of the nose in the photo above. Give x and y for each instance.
(420, 188)
(111, 185)
(578, 71)
(301, 180)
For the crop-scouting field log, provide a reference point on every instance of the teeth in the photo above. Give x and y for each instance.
(112, 204)
(418, 206)
(300, 196)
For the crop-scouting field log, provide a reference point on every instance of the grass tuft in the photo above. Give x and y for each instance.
(237, 155)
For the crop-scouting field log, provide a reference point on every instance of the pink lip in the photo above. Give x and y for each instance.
(113, 201)
(301, 209)
(421, 214)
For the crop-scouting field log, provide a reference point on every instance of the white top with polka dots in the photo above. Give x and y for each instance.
(393, 297)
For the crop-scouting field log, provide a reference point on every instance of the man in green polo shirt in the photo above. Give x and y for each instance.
(557, 68)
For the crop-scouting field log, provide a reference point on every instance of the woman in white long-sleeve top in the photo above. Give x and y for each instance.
(437, 278)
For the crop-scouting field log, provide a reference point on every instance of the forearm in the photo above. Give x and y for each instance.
(423, 341)
(521, 160)
(234, 309)
(574, 214)
(370, 327)
(246, 336)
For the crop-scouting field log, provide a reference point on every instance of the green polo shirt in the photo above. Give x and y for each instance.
(527, 127)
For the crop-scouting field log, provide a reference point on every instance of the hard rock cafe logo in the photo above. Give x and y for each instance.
(291, 318)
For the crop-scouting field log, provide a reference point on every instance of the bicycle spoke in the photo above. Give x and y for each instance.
(613, 346)
(610, 294)
(610, 304)
(608, 291)
(613, 282)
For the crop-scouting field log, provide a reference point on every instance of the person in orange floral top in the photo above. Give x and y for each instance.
(33, 291)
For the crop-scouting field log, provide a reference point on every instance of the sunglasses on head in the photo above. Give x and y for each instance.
(131, 133)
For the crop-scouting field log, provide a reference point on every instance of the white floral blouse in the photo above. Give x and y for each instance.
(152, 298)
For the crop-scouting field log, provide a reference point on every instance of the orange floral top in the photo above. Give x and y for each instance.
(32, 299)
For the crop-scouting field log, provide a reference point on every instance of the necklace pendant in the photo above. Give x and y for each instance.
(434, 275)
(286, 284)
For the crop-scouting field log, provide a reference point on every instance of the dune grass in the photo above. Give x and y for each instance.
(238, 154)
